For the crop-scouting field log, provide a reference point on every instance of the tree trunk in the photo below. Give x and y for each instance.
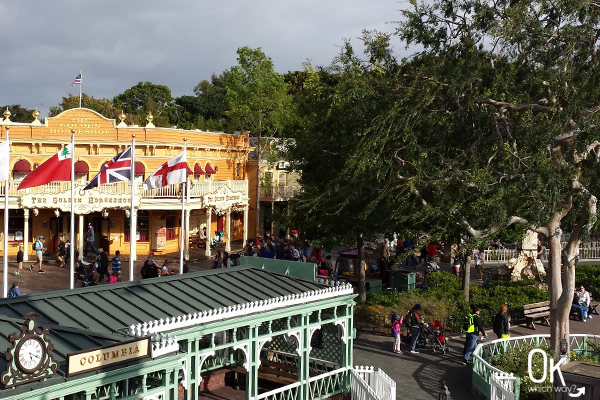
(362, 295)
(465, 262)
(557, 329)
(257, 227)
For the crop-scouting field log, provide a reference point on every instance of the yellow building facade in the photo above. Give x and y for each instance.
(216, 195)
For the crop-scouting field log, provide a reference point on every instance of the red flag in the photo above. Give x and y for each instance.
(56, 168)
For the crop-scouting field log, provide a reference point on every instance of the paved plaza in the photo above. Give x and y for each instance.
(418, 376)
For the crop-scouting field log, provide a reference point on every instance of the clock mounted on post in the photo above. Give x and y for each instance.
(28, 356)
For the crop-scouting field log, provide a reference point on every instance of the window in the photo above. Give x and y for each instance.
(16, 226)
(143, 227)
(238, 170)
(170, 221)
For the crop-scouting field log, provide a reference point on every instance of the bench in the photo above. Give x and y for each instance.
(594, 310)
(537, 312)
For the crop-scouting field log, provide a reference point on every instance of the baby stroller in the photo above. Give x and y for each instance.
(438, 340)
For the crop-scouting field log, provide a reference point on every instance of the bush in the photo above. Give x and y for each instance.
(589, 276)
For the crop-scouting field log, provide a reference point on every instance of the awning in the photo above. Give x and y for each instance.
(139, 168)
(198, 170)
(209, 170)
(81, 168)
(22, 166)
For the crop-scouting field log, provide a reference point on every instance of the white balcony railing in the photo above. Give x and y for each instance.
(281, 192)
(197, 189)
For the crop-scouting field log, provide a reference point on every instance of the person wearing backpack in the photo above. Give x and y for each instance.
(14, 290)
(396, 332)
(38, 246)
(472, 327)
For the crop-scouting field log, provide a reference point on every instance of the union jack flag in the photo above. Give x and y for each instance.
(116, 170)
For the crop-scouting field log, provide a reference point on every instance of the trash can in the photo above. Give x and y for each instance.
(402, 281)
(371, 285)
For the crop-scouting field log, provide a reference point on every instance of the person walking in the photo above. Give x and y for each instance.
(89, 241)
(473, 327)
(501, 324)
(19, 261)
(116, 263)
(396, 332)
(102, 265)
(61, 251)
(416, 320)
(39, 252)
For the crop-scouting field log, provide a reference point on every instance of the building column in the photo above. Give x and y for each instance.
(208, 231)
(304, 354)
(186, 243)
(26, 235)
(81, 234)
(228, 230)
(246, 208)
(272, 213)
(289, 213)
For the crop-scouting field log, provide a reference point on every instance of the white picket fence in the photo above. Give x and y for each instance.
(587, 251)
(370, 384)
(502, 386)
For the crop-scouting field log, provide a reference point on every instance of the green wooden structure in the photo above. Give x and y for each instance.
(244, 320)
(296, 269)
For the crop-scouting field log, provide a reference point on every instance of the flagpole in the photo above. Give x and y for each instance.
(5, 252)
(72, 224)
(80, 85)
(182, 229)
(132, 214)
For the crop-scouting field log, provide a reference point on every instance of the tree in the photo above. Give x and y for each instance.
(102, 106)
(257, 101)
(495, 123)
(206, 110)
(341, 202)
(144, 98)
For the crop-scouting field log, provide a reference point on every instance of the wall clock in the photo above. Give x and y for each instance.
(28, 357)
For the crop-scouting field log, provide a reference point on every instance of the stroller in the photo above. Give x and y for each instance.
(438, 340)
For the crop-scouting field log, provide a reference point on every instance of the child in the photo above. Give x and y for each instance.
(396, 332)
(166, 270)
(20, 261)
(114, 277)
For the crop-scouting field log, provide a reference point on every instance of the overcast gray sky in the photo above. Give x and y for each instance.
(173, 43)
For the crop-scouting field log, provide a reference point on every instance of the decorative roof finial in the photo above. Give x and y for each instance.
(149, 118)
(36, 115)
(7, 116)
(122, 117)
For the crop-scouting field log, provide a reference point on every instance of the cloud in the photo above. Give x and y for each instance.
(174, 43)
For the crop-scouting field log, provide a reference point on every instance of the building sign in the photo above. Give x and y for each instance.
(84, 202)
(91, 360)
(83, 122)
(223, 199)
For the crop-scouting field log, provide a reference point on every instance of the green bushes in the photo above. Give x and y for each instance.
(445, 297)
(589, 276)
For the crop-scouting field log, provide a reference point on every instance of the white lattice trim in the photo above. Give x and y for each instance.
(184, 382)
(311, 332)
(343, 324)
(201, 359)
(298, 335)
(163, 344)
(244, 349)
(183, 321)
(259, 346)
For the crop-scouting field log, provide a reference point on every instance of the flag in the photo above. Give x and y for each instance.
(116, 170)
(4, 161)
(77, 80)
(56, 168)
(173, 171)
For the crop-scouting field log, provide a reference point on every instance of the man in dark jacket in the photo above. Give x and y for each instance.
(102, 265)
(471, 341)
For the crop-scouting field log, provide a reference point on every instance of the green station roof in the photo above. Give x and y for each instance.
(112, 309)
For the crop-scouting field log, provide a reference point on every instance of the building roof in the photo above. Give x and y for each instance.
(113, 309)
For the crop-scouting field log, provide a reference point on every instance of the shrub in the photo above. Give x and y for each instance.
(589, 276)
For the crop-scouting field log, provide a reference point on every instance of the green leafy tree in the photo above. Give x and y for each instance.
(206, 110)
(495, 123)
(257, 100)
(102, 106)
(144, 98)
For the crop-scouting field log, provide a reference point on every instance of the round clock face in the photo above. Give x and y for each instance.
(30, 354)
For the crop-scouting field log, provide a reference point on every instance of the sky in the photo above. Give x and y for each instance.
(176, 43)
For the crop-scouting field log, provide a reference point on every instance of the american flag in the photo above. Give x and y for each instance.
(77, 80)
(116, 170)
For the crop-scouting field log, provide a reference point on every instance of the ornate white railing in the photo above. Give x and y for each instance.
(370, 384)
(196, 189)
(502, 386)
(201, 317)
